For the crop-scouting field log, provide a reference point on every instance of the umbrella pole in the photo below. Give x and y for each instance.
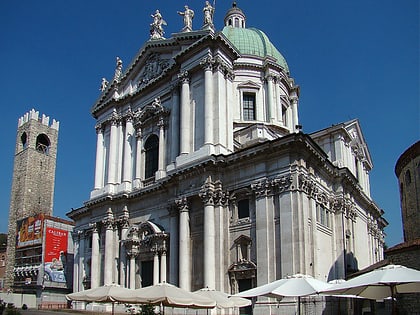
(394, 311)
(298, 305)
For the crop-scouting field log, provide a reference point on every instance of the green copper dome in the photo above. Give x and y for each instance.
(252, 41)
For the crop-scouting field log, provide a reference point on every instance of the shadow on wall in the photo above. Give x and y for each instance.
(345, 265)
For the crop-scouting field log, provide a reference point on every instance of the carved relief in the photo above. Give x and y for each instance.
(154, 67)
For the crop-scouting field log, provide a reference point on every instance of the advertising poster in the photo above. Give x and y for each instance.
(55, 255)
(29, 231)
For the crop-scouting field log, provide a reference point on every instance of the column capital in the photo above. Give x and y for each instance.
(261, 188)
(161, 122)
(115, 118)
(184, 76)
(94, 226)
(270, 77)
(207, 63)
(182, 204)
(207, 193)
(108, 222)
(99, 128)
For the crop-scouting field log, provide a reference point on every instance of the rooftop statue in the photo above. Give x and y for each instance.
(208, 11)
(188, 17)
(104, 84)
(118, 70)
(156, 29)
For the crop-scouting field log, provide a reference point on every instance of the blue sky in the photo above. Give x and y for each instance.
(352, 59)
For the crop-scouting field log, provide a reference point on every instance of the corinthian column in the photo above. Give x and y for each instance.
(109, 242)
(99, 165)
(294, 105)
(185, 113)
(123, 252)
(94, 268)
(207, 63)
(162, 146)
(113, 151)
(271, 109)
(209, 258)
(155, 266)
(139, 146)
(128, 161)
(184, 245)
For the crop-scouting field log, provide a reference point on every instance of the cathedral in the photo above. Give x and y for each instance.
(203, 175)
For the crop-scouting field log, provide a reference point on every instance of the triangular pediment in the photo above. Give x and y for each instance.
(249, 85)
(357, 141)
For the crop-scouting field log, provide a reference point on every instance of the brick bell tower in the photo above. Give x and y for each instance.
(33, 176)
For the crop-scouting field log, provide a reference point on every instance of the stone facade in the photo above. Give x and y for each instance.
(203, 177)
(33, 176)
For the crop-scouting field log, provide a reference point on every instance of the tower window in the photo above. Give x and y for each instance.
(248, 104)
(24, 140)
(407, 178)
(151, 148)
(43, 144)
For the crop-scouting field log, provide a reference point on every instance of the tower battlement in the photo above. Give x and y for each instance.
(45, 120)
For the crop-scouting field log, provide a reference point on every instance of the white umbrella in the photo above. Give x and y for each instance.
(297, 285)
(167, 295)
(104, 294)
(223, 300)
(380, 283)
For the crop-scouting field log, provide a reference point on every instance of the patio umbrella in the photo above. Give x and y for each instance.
(223, 300)
(380, 283)
(167, 295)
(297, 285)
(104, 294)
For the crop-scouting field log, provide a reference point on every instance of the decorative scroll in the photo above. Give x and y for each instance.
(310, 187)
(268, 186)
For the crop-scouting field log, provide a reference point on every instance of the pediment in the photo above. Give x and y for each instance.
(153, 67)
(357, 141)
(249, 85)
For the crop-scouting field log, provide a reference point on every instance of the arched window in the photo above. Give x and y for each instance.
(43, 143)
(407, 178)
(24, 140)
(151, 148)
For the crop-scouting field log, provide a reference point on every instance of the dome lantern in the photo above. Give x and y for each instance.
(235, 17)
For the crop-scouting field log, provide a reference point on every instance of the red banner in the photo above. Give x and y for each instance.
(55, 255)
(55, 244)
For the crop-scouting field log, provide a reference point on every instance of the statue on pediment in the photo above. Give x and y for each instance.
(104, 84)
(156, 27)
(118, 70)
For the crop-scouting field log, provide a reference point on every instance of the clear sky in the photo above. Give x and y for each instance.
(352, 59)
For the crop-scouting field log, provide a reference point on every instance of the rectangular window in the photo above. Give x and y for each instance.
(243, 209)
(248, 105)
(322, 215)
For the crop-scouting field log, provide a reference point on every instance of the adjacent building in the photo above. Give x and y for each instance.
(204, 177)
(39, 254)
(407, 253)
